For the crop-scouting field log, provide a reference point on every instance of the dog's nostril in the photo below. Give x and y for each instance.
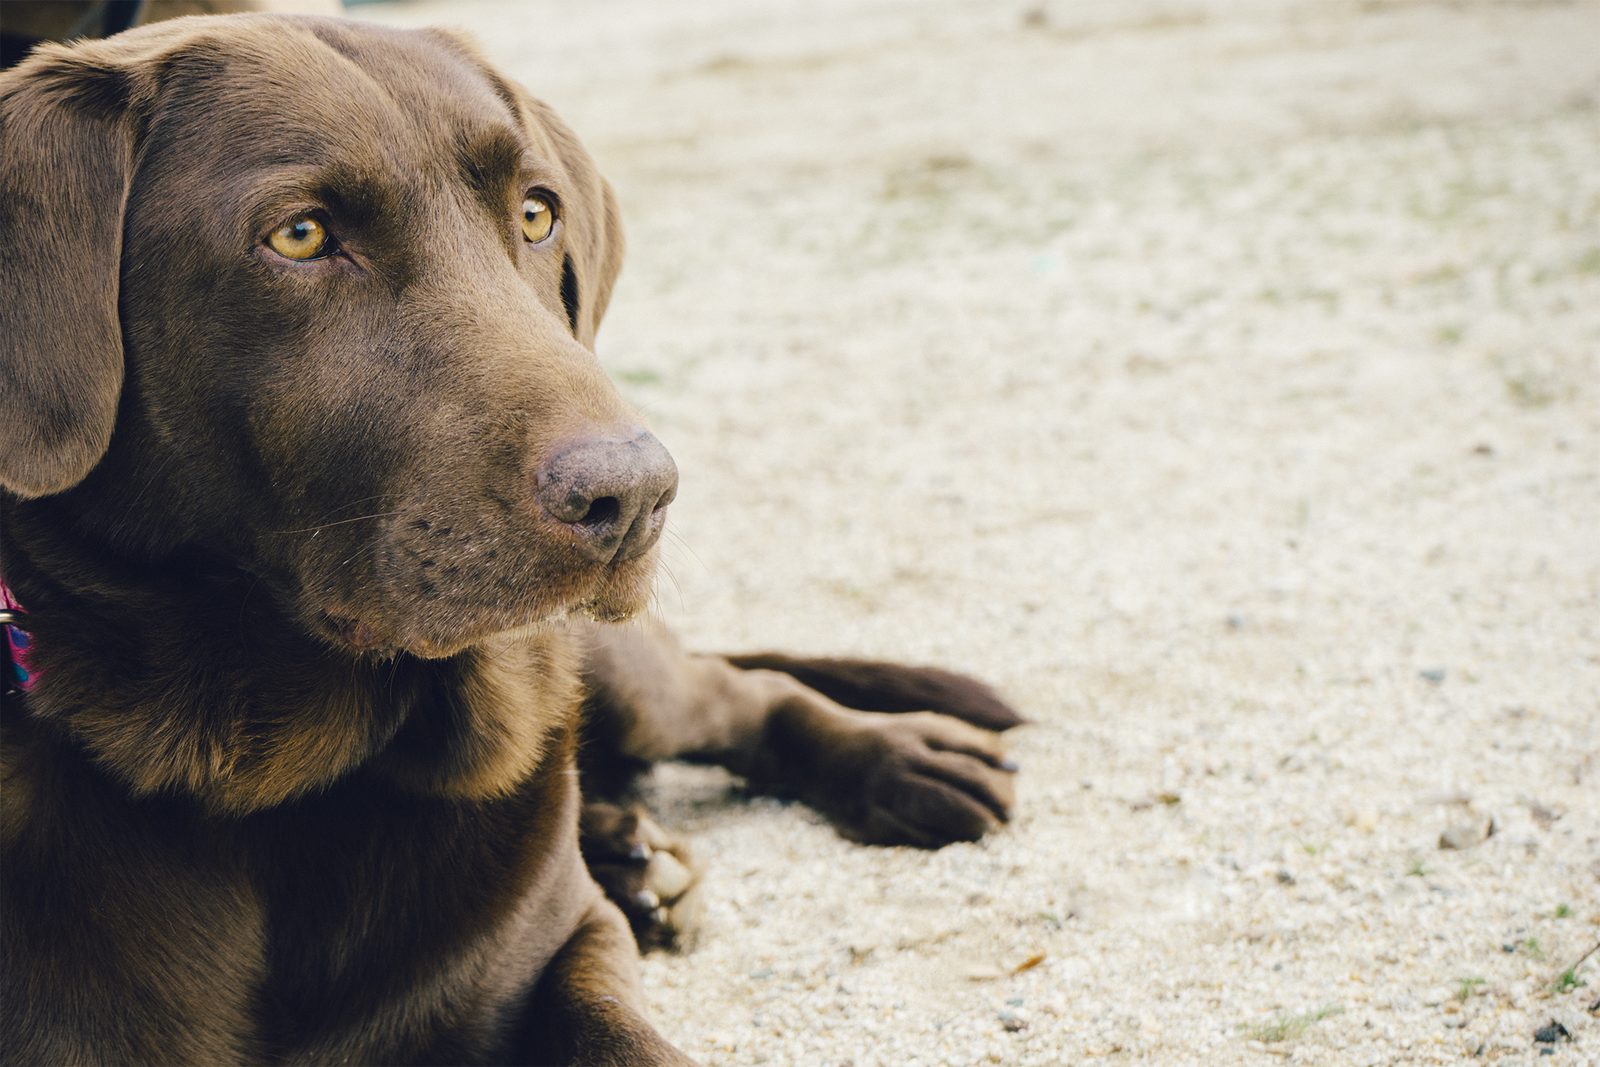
(602, 511)
(610, 492)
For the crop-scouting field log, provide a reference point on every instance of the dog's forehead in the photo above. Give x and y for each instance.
(279, 85)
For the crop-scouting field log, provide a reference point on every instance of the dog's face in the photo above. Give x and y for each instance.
(359, 277)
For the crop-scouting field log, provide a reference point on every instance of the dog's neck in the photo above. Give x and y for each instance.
(181, 676)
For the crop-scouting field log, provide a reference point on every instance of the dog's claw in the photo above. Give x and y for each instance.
(644, 871)
(669, 878)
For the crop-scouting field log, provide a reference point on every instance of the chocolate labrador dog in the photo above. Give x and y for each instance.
(321, 513)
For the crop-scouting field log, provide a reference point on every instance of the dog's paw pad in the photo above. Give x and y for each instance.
(646, 872)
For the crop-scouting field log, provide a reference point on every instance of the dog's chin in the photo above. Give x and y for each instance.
(427, 637)
(429, 631)
(623, 591)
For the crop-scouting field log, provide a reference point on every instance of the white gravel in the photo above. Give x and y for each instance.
(1222, 380)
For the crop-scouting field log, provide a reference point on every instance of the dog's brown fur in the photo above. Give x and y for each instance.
(299, 780)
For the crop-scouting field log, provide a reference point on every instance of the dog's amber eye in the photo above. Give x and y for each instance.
(304, 238)
(537, 219)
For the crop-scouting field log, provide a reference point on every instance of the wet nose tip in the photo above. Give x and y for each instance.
(612, 492)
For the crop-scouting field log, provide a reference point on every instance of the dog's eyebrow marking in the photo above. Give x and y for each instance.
(490, 159)
(350, 196)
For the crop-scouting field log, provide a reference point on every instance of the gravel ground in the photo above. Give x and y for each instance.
(1220, 379)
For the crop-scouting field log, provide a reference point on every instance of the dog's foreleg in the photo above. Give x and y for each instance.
(587, 1008)
(919, 778)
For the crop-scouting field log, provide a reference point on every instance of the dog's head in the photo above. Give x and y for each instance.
(319, 299)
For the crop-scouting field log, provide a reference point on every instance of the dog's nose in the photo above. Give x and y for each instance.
(613, 492)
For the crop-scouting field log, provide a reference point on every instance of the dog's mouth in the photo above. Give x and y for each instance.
(458, 564)
(432, 627)
(353, 634)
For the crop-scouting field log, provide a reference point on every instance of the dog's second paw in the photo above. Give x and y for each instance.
(645, 871)
(920, 778)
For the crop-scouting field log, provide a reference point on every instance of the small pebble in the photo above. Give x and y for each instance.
(1552, 1032)
(1464, 835)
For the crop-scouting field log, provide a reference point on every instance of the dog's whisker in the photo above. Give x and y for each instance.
(357, 503)
(159, 468)
(338, 522)
(666, 569)
(683, 542)
(244, 601)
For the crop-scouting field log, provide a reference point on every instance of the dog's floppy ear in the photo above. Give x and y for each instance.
(66, 152)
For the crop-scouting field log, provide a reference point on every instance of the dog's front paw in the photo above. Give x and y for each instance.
(919, 778)
(645, 871)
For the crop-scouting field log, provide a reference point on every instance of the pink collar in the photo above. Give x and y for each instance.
(19, 642)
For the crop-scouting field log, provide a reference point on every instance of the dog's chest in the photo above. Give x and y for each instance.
(364, 924)
(401, 927)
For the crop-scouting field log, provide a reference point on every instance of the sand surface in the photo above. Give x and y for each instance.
(1220, 379)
